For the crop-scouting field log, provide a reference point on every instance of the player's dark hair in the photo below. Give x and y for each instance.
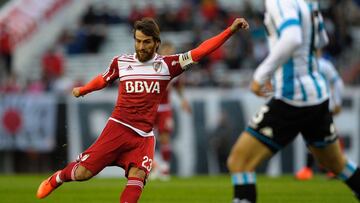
(149, 27)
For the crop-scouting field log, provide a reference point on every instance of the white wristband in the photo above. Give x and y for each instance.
(185, 60)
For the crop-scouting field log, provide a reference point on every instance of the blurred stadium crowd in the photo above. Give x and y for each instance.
(231, 65)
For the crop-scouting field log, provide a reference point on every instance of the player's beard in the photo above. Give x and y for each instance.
(145, 55)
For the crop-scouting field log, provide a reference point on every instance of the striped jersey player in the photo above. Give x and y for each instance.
(300, 103)
(128, 139)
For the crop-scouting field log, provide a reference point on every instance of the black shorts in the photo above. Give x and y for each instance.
(277, 123)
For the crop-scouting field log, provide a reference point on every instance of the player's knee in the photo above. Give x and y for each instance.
(230, 163)
(82, 174)
(137, 173)
(337, 167)
(235, 164)
(334, 165)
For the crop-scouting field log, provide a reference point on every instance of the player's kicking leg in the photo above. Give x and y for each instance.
(332, 158)
(72, 172)
(48, 185)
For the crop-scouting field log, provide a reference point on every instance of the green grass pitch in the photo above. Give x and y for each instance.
(202, 189)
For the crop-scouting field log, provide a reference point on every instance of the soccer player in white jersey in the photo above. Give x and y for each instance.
(336, 86)
(299, 105)
(127, 140)
(164, 121)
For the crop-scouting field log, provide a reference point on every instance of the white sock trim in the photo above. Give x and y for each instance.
(348, 171)
(135, 183)
(73, 170)
(243, 178)
(58, 179)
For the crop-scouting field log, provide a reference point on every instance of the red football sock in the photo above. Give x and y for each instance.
(55, 180)
(166, 152)
(132, 191)
(68, 173)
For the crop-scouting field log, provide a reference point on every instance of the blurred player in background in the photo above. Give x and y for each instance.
(164, 122)
(128, 140)
(336, 85)
(300, 103)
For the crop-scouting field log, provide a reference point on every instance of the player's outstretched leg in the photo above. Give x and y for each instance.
(48, 185)
(72, 172)
(351, 177)
(332, 158)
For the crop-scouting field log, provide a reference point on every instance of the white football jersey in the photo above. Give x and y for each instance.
(328, 71)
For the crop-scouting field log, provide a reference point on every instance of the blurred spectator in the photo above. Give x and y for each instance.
(6, 49)
(185, 15)
(210, 10)
(52, 64)
(75, 41)
(53, 74)
(339, 35)
(352, 75)
(10, 84)
(134, 15)
(90, 17)
(35, 87)
(109, 16)
(95, 37)
(149, 11)
(100, 15)
(91, 31)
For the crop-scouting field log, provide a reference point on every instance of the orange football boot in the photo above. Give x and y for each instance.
(305, 173)
(46, 188)
(330, 175)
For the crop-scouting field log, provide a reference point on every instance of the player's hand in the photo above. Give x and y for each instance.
(268, 88)
(336, 110)
(261, 90)
(239, 23)
(76, 92)
(186, 106)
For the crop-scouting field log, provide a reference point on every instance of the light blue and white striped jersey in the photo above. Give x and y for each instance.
(297, 81)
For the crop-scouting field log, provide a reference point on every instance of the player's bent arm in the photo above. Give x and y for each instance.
(338, 88)
(212, 44)
(95, 84)
(290, 39)
(179, 87)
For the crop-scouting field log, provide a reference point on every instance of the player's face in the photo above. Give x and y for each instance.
(145, 46)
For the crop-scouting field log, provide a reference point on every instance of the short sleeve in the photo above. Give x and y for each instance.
(112, 72)
(173, 63)
(284, 13)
